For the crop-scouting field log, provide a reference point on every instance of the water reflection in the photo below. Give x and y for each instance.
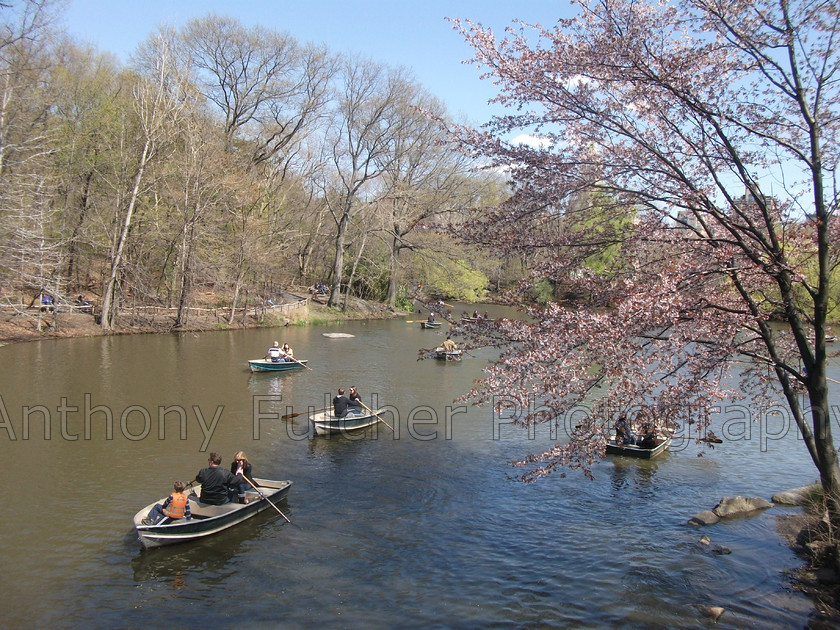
(640, 474)
(209, 560)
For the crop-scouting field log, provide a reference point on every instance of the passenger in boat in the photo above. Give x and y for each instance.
(354, 396)
(274, 352)
(647, 435)
(216, 480)
(176, 505)
(648, 439)
(342, 405)
(431, 318)
(240, 466)
(623, 434)
(449, 345)
(288, 353)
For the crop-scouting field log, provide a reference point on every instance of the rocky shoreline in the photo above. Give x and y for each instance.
(803, 532)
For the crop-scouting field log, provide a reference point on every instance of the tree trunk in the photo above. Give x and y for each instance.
(338, 265)
(353, 271)
(188, 247)
(108, 296)
(391, 298)
(72, 263)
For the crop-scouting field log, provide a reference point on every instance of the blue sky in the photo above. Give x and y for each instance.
(411, 34)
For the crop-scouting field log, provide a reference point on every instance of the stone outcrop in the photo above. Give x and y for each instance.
(728, 507)
(706, 517)
(797, 496)
(732, 506)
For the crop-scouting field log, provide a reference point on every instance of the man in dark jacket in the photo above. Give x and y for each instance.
(342, 405)
(215, 480)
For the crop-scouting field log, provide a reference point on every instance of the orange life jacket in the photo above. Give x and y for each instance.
(177, 507)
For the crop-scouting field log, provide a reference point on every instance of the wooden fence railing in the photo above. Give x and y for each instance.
(221, 313)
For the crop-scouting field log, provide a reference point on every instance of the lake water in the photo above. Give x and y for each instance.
(421, 529)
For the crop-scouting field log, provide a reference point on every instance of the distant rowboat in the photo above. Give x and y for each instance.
(429, 324)
(267, 365)
(631, 450)
(326, 423)
(448, 355)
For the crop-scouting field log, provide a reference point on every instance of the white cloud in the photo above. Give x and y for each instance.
(530, 140)
(577, 81)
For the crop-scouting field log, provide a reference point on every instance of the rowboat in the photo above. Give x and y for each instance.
(631, 450)
(447, 355)
(267, 365)
(429, 324)
(208, 519)
(326, 423)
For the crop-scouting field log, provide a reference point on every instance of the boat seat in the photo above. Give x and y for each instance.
(205, 510)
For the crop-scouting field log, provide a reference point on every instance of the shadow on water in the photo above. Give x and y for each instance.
(209, 557)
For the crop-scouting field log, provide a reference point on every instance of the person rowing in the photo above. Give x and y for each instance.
(342, 405)
(274, 352)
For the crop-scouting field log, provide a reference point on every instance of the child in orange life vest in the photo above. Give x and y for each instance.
(177, 505)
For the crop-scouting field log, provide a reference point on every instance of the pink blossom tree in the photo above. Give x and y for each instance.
(696, 143)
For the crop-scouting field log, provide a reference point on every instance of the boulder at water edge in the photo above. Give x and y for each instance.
(732, 506)
(797, 496)
(706, 517)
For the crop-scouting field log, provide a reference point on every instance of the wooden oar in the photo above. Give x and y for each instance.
(300, 413)
(296, 361)
(377, 416)
(266, 498)
(706, 439)
(832, 380)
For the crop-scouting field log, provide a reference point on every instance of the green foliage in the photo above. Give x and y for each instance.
(404, 302)
(809, 264)
(370, 280)
(603, 223)
(456, 280)
(542, 291)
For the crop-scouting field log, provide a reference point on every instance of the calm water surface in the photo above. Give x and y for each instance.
(425, 529)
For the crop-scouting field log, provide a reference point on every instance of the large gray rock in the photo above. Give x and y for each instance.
(797, 496)
(706, 517)
(732, 506)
